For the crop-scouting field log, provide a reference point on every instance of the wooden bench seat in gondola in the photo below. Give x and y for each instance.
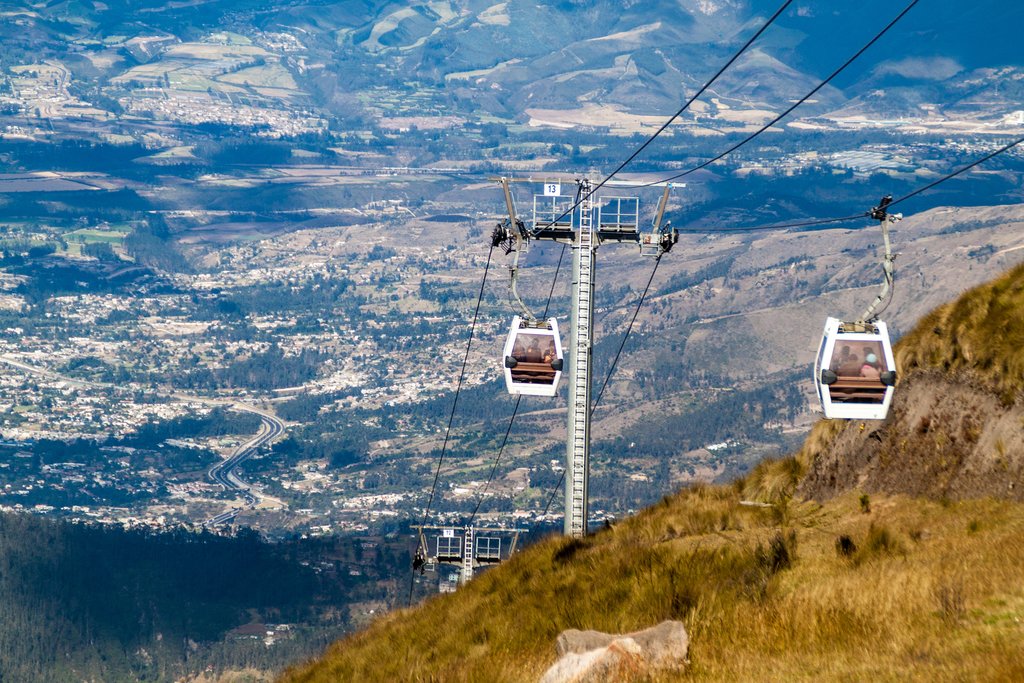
(860, 389)
(533, 373)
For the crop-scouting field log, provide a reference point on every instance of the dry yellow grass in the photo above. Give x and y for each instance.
(930, 592)
(823, 433)
(981, 332)
(244, 676)
(772, 481)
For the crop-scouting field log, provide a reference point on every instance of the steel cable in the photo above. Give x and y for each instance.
(611, 370)
(455, 403)
(515, 409)
(803, 99)
(458, 387)
(866, 214)
(679, 112)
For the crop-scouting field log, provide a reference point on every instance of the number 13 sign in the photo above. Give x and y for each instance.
(552, 189)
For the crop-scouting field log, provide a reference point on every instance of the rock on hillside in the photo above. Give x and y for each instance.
(954, 430)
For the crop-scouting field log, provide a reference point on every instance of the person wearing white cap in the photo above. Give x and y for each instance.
(870, 367)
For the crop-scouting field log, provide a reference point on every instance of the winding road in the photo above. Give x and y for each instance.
(222, 473)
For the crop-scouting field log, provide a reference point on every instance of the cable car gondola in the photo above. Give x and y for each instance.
(533, 350)
(533, 357)
(855, 372)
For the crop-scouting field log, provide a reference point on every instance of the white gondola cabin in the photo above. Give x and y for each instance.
(533, 358)
(855, 371)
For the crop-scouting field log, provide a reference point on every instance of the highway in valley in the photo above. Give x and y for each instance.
(223, 472)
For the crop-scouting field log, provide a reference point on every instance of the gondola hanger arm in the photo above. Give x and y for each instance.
(511, 235)
(884, 218)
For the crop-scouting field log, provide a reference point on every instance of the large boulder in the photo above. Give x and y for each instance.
(595, 657)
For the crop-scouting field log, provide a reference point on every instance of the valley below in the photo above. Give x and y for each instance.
(251, 308)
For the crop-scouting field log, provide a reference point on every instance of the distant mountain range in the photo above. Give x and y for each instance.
(502, 59)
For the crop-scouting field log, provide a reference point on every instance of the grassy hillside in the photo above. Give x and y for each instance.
(862, 587)
(930, 592)
(982, 332)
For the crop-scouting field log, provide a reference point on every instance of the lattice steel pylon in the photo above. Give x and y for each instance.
(577, 453)
(476, 547)
(558, 218)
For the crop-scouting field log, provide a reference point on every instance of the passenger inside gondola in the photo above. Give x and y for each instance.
(870, 367)
(549, 353)
(851, 367)
(858, 376)
(534, 354)
(838, 361)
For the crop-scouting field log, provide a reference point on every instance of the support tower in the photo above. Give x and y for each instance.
(583, 224)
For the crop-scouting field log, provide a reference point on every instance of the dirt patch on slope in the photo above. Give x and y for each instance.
(947, 436)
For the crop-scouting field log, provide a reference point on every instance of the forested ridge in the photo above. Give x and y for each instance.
(84, 602)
